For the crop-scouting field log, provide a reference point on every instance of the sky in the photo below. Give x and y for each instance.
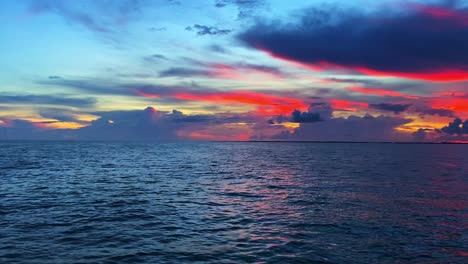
(234, 70)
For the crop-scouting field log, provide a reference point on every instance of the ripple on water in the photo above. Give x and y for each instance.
(232, 203)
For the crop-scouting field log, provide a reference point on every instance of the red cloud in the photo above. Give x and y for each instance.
(272, 104)
(446, 75)
(457, 16)
(380, 92)
(454, 104)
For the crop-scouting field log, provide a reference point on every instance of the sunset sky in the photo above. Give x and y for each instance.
(174, 70)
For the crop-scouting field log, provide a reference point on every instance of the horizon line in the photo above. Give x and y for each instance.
(233, 141)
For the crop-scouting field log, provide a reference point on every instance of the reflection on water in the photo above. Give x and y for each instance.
(233, 203)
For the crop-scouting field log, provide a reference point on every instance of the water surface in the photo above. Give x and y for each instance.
(89, 202)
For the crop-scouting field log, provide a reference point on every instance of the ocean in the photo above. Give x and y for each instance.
(220, 202)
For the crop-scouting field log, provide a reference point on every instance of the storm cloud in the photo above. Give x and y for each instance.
(425, 42)
(395, 108)
(458, 127)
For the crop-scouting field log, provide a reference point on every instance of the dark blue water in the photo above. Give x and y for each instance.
(233, 203)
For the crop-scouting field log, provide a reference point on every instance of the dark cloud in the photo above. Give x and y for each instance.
(260, 68)
(153, 125)
(317, 112)
(183, 72)
(179, 117)
(222, 70)
(47, 100)
(202, 30)
(325, 110)
(137, 125)
(414, 42)
(144, 125)
(456, 127)
(352, 129)
(54, 77)
(396, 108)
(433, 111)
(96, 86)
(305, 117)
(110, 87)
(172, 117)
(81, 85)
(147, 125)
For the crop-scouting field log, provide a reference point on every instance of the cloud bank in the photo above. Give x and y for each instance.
(423, 42)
